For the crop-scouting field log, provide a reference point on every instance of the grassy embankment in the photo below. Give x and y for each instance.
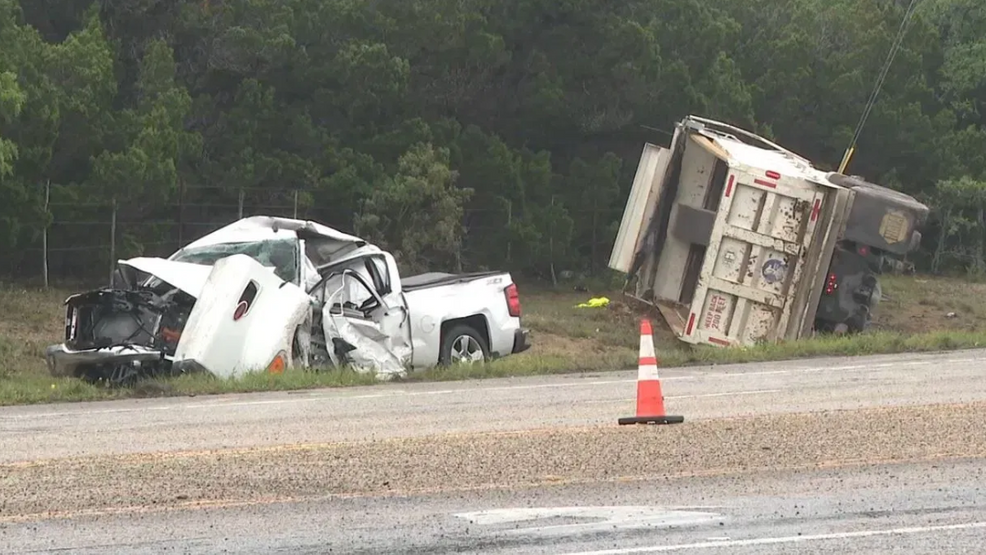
(919, 314)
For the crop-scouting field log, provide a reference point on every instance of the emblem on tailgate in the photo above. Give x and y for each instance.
(774, 270)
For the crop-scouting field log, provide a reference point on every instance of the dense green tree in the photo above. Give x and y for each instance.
(417, 213)
(349, 111)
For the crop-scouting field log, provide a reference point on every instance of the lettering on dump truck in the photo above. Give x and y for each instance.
(713, 316)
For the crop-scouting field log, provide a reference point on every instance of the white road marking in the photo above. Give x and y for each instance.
(624, 400)
(824, 369)
(725, 394)
(603, 518)
(335, 397)
(788, 539)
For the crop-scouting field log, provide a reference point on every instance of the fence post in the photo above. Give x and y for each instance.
(241, 203)
(592, 248)
(551, 245)
(510, 220)
(113, 242)
(44, 235)
(181, 211)
(296, 204)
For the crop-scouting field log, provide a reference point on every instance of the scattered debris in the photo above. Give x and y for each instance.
(595, 302)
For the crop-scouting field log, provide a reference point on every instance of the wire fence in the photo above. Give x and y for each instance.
(83, 241)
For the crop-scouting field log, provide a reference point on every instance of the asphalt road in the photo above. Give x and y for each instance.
(906, 508)
(778, 482)
(424, 409)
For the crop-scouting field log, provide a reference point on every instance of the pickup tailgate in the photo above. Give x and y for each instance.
(488, 302)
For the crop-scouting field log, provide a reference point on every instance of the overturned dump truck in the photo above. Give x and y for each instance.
(738, 241)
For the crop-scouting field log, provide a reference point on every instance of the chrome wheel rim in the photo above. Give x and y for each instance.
(466, 350)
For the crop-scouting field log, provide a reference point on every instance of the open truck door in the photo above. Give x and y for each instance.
(363, 316)
(728, 239)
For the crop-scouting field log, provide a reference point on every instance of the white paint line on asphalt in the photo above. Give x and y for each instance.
(789, 539)
(725, 394)
(625, 400)
(822, 369)
(600, 519)
(392, 394)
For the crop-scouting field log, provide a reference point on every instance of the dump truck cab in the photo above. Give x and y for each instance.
(882, 224)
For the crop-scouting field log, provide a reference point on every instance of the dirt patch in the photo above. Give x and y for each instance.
(916, 305)
(549, 344)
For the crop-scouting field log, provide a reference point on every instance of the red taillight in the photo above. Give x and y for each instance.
(513, 300)
(240, 310)
(831, 284)
(863, 250)
(246, 300)
(773, 175)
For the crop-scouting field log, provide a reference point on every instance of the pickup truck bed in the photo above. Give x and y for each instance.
(437, 279)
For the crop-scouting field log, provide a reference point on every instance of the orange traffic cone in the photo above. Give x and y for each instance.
(650, 399)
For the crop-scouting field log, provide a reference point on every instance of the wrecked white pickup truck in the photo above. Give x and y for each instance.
(269, 294)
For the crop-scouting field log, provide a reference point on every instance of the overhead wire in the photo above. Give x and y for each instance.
(881, 78)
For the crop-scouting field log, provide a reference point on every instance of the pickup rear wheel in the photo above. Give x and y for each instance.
(462, 344)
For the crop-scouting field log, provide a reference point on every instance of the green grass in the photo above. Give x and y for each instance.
(920, 314)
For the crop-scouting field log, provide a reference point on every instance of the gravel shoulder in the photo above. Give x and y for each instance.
(447, 463)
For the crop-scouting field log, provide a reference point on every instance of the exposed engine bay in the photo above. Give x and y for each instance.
(139, 330)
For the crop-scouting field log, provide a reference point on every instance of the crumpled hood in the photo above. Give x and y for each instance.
(190, 278)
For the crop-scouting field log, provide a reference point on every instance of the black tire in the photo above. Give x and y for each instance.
(453, 335)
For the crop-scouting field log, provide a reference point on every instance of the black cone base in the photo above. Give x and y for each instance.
(651, 420)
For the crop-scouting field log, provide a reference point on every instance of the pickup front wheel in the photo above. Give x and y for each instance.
(462, 344)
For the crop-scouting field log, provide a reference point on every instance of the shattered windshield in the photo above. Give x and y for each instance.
(280, 254)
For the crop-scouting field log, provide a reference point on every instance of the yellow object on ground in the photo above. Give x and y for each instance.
(597, 302)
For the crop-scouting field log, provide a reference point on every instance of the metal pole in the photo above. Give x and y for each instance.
(551, 246)
(510, 220)
(593, 248)
(112, 242)
(296, 204)
(181, 212)
(894, 48)
(241, 204)
(44, 234)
